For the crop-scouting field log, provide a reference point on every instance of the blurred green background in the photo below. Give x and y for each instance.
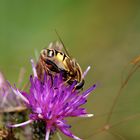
(104, 34)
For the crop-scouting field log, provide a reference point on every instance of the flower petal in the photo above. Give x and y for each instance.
(65, 129)
(33, 68)
(85, 72)
(20, 124)
(18, 93)
(88, 91)
(47, 134)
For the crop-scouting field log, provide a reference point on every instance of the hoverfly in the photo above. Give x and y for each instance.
(54, 60)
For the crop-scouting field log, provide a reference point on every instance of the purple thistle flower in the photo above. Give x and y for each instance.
(52, 102)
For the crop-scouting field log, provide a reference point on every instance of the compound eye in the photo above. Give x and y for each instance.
(50, 53)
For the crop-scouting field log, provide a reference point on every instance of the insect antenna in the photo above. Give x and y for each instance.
(62, 42)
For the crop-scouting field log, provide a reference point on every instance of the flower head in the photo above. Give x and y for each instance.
(52, 101)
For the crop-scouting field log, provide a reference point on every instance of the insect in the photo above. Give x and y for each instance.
(54, 60)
